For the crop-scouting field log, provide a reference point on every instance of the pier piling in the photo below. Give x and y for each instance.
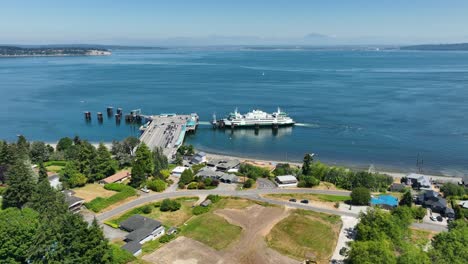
(99, 117)
(119, 111)
(110, 111)
(87, 115)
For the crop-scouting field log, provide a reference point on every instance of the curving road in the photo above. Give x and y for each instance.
(253, 195)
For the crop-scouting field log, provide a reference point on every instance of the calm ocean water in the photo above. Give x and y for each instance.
(356, 107)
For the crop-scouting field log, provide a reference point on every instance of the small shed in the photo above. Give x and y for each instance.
(206, 203)
(172, 230)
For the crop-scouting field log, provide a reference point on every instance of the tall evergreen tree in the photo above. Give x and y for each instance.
(22, 146)
(104, 164)
(39, 152)
(160, 160)
(20, 182)
(407, 199)
(98, 247)
(142, 166)
(306, 166)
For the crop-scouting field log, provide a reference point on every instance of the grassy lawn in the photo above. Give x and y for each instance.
(92, 191)
(420, 238)
(176, 218)
(54, 168)
(305, 234)
(212, 230)
(123, 192)
(233, 203)
(310, 196)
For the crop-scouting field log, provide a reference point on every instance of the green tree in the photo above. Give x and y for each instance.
(71, 176)
(169, 205)
(39, 152)
(451, 189)
(17, 227)
(123, 150)
(371, 252)
(142, 166)
(418, 212)
(413, 255)
(178, 159)
(451, 247)
(407, 199)
(160, 161)
(86, 158)
(22, 147)
(308, 159)
(186, 177)
(20, 186)
(42, 172)
(157, 185)
(64, 144)
(98, 250)
(360, 196)
(105, 165)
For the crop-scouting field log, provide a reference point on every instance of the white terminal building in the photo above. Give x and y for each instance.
(286, 181)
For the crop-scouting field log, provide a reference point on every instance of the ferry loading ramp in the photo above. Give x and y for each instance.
(167, 131)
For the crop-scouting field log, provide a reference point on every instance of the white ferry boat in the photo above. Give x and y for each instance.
(256, 118)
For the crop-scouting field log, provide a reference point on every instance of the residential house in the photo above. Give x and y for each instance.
(433, 200)
(226, 165)
(74, 203)
(118, 177)
(133, 247)
(142, 229)
(198, 158)
(207, 172)
(286, 181)
(419, 179)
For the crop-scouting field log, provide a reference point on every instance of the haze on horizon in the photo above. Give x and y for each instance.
(240, 22)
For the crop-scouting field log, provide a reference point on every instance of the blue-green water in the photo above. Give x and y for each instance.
(357, 107)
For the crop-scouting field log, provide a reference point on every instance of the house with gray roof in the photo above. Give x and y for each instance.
(206, 172)
(142, 229)
(422, 180)
(228, 165)
(74, 203)
(133, 247)
(198, 158)
(437, 204)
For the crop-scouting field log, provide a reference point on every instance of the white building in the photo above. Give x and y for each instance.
(177, 171)
(286, 181)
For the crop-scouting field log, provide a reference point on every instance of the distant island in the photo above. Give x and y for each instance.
(447, 47)
(14, 51)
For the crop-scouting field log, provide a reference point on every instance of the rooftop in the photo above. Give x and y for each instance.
(132, 247)
(117, 177)
(286, 178)
(138, 221)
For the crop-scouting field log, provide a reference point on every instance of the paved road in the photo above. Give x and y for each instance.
(253, 195)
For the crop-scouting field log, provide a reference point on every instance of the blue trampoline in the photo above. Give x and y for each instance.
(386, 200)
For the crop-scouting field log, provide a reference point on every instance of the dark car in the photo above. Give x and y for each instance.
(305, 201)
(292, 200)
(439, 218)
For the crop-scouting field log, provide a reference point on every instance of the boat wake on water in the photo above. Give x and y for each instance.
(307, 125)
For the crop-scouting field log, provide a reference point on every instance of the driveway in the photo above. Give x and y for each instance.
(263, 183)
(346, 235)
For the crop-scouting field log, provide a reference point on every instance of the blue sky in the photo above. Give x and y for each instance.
(273, 21)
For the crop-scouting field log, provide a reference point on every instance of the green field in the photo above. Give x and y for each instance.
(305, 234)
(100, 203)
(212, 230)
(176, 218)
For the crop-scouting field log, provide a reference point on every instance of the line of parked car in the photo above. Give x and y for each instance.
(302, 201)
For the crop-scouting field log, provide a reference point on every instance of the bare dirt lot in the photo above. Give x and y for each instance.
(256, 222)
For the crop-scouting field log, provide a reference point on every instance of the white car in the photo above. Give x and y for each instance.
(433, 218)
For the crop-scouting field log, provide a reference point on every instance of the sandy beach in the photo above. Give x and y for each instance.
(269, 163)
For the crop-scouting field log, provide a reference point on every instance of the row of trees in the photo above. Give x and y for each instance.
(35, 224)
(312, 172)
(148, 165)
(384, 237)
